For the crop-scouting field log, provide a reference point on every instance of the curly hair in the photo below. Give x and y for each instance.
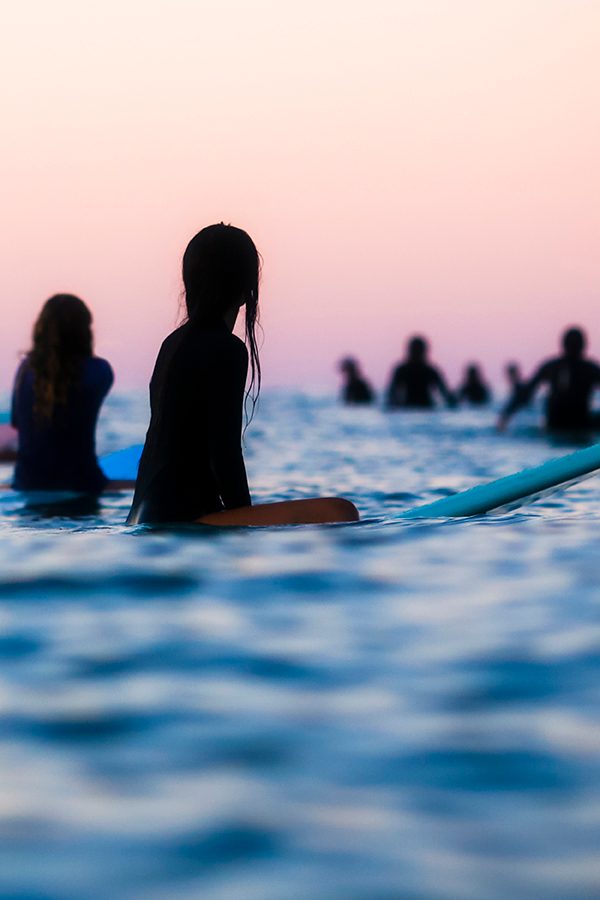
(62, 341)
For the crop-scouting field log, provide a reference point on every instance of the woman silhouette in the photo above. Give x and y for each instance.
(58, 392)
(192, 467)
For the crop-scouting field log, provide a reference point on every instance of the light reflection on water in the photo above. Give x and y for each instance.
(383, 710)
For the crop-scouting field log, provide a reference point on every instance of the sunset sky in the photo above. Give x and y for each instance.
(403, 165)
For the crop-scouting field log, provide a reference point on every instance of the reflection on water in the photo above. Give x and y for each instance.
(383, 710)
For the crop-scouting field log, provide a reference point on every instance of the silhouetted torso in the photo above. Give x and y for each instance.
(357, 391)
(192, 462)
(571, 382)
(474, 392)
(414, 384)
(60, 454)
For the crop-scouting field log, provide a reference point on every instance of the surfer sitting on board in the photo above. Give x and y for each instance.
(571, 380)
(58, 391)
(192, 468)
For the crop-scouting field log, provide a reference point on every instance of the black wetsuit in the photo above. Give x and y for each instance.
(357, 391)
(60, 454)
(474, 392)
(571, 383)
(192, 462)
(413, 385)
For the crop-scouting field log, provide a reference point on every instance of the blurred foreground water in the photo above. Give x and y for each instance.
(383, 711)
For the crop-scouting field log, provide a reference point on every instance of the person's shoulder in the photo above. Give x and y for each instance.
(23, 368)
(24, 373)
(100, 366)
(592, 365)
(208, 348)
(548, 366)
(224, 344)
(237, 347)
(99, 372)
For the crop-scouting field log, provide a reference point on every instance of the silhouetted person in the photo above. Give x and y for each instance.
(513, 376)
(415, 382)
(356, 389)
(516, 384)
(571, 380)
(474, 390)
(192, 466)
(59, 389)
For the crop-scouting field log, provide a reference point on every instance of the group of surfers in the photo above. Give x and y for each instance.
(415, 383)
(192, 467)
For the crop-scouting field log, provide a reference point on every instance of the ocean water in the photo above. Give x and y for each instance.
(382, 711)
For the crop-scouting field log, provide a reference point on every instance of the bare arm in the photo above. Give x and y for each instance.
(442, 387)
(523, 395)
(395, 391)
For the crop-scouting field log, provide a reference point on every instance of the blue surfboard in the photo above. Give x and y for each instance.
(122, 465)
(512, 491)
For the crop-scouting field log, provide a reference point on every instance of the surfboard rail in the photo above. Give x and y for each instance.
(513, 490)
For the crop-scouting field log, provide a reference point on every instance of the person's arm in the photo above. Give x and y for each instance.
(440, 384)
(596, 371)
(224, 426)
(395, 392)
(522, 395)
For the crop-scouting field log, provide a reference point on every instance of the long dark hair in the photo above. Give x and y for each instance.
(62, 340)
(221, 270)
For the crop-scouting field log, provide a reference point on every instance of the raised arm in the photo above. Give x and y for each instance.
(523, 395)
(224, 426)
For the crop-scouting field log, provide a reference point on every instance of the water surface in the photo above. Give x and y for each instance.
(403, 710)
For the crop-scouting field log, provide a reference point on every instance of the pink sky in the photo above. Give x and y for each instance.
(403, 165)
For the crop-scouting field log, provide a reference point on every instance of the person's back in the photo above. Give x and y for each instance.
(415, 382)
(192, 466)
(571, 380)
(59, 389)
(196, 398)
(571, 383)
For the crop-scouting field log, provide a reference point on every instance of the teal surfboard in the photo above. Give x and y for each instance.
(513, 490)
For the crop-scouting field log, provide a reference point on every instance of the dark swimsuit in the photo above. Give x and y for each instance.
(60, 454)
(357, 391)
(413, 384)
(571, 383)
(192, 463)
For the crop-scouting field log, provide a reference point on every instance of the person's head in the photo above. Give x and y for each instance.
(573, 342)
(513, 373)
(349, 367)
(221, 273)
(473, 372)
(417, 349)
(62, 340)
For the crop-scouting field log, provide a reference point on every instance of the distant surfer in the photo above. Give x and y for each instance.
(415, 383)
(192, 467)
(570, 379)
(356, 390)
(474, 389)
(58, 391)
